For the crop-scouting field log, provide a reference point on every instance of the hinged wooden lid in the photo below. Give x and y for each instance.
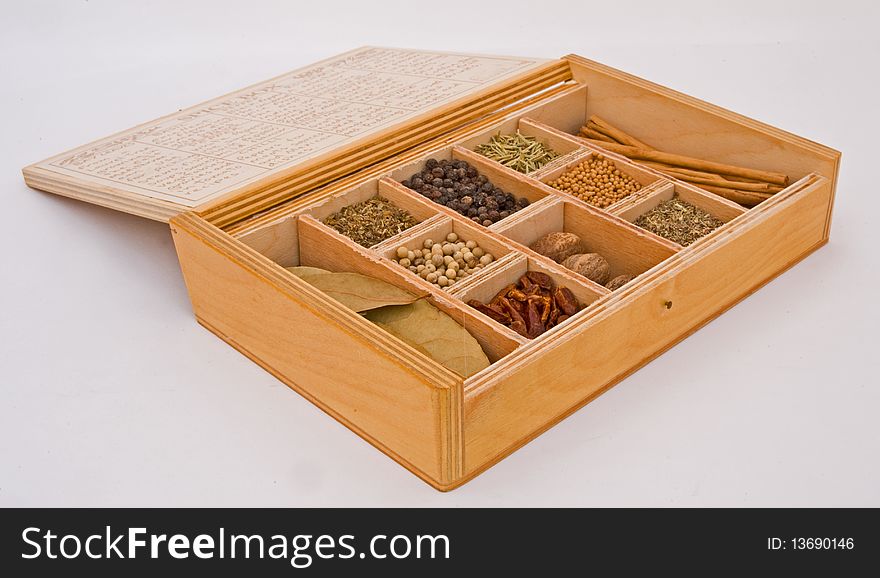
(240, 153)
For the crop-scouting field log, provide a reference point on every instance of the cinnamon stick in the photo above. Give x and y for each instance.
(742, 186)
(691, 163)
(620, 136)
(682, 171)
(744, 198)
(589, 133)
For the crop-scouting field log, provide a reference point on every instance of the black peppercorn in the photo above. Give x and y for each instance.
(461, 188)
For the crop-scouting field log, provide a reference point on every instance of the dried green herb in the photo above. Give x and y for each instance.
(679, 221)
(517, 151)
(355, 291)
(371, 221)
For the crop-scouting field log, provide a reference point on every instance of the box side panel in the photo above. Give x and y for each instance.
(402, 412)
(507, 411)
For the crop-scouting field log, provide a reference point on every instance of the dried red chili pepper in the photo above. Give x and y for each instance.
(538, 278)
(492, 311)
(566, 300)
(546, 307)
(534, 326)
(531, 306)
(517, 295)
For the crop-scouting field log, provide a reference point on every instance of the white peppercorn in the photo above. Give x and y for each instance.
(444, 263)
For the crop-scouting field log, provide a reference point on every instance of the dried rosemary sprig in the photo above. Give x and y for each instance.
(678, 221)
(517, 151)
(371, 221)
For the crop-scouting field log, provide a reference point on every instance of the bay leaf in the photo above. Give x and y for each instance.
(357, 292)
(303, 272)
(428, 329)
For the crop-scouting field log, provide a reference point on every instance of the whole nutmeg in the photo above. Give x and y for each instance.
(593, 266)
(559, 246)
(618, 282)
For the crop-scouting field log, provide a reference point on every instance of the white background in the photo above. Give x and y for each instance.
(111, 394)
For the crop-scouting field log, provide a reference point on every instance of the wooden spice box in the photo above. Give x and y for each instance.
(235, 241)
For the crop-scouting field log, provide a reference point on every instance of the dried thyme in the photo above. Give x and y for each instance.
(679, 221)
(371, 221)
(517, 151)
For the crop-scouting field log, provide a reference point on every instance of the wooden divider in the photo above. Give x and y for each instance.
(396, 240)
